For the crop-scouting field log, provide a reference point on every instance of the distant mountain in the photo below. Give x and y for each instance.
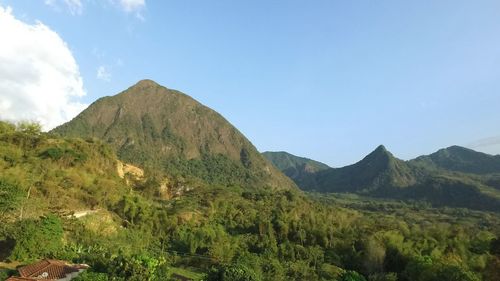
(461, 159)
(380, 174)
(165, 130)
(301, 170)
(376, 172)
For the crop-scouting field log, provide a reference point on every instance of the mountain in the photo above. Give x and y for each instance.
(301, 170)
(165, 130)
(380, 174)
(377, 172)
(461, 159)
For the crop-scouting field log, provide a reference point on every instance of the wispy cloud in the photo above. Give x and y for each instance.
(486, 142)
(104, 73)
(135, 7)
(74, 7)
(132, 5)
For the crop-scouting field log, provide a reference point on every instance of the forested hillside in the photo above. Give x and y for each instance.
(220, 232)
(461, 159)
(455, 177)
(166, 131)
(301, 170)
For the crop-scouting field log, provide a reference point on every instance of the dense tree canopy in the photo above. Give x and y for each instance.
(222, 232)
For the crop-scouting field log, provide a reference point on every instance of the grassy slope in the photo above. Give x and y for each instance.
(58, 175)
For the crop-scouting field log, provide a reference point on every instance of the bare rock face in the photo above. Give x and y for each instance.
(164, 191)
(129, 172)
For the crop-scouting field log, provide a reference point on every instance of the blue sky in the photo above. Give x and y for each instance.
(329, 80)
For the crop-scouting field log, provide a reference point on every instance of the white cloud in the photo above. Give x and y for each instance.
(103, 73)
(39, 77)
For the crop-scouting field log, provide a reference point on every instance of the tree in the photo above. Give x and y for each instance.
(495, 247)
(492, 272)
(420, 268)
(92, 276)
(11, 196)
(374, 255)
(30, 128)
(233, 272)
(6, 127)
(455, 273)
(245, 158)
(352, 276)
(383, 277)
(37, 239)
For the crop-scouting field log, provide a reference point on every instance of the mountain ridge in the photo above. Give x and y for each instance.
(300, 169)
(461, 159)
(381, 174)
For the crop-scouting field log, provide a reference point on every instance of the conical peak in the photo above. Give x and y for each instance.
(146, 83)
(151, 124)
(380, 151)
(148, 90)
(381, 148)
(379, 154)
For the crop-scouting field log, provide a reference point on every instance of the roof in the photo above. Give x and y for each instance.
(48, 270)
(15, 278)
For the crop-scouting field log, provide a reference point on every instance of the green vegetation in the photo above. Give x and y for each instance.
(41, 174)
(224, 232)
(301, 170)
(28, 234)
(10, 196)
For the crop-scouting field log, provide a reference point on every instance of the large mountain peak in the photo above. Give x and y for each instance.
(146, 83)
(152, 126)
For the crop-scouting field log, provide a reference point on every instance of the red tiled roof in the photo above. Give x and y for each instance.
(49, 270)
